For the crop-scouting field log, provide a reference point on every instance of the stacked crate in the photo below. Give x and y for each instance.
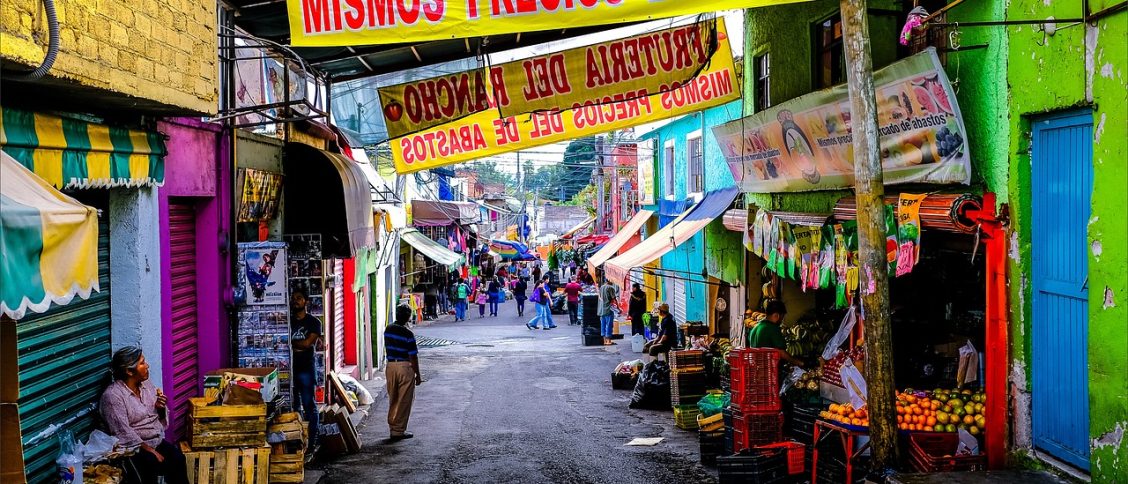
(687, 386)
(756, 416)
(226, 443)
(287, 435)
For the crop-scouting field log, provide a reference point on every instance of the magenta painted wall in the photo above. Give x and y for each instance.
(198, 170)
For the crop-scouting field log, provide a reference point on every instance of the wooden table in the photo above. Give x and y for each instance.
(847, 437)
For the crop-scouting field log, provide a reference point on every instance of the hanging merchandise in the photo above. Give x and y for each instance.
(908, 231)
(891, 238)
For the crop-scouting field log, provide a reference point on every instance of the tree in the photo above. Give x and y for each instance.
(489, 174)
(584, 198)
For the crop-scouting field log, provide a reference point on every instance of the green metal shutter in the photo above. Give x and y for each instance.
(64, 358)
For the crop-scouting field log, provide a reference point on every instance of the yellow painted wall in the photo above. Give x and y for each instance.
(164, 51)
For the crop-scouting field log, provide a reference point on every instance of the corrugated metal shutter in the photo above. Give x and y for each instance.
(64, 359)
(185, 341)
(679, 301)
(338, 314)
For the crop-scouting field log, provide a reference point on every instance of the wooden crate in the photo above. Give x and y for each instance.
(287, 467)
(290, 426)
(247, 465)
(225, 425)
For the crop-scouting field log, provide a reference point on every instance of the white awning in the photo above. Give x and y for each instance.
(431, 249)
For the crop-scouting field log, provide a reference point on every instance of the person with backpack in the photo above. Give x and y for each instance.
(461, 293)
(542, 299)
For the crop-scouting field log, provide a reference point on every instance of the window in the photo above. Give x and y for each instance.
(668, 169)
(830, 65)
(695, 183)
(762, 70)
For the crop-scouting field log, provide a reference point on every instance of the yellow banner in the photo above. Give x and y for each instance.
(485, 134)
(620, 69)
(335, 23)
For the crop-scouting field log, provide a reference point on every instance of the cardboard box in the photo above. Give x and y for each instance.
(266, 378)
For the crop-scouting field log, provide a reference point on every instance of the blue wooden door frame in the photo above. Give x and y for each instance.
(1061, 180)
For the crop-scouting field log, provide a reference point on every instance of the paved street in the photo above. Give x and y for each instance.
(506, 404)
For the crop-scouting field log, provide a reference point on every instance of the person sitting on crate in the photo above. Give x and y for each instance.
(667, 334)
(136, 413)
(766, 333)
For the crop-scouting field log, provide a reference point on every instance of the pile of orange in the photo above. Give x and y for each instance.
(941, 411)
(846, 414)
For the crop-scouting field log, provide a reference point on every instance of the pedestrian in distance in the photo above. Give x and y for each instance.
(402, 373)
(482, 299)
(637, 308)
(494, 294)
(542, 299)
(461, 294)
(520, 289)
(549, 296)
(304, 338)
(572, 292)
(608, 298)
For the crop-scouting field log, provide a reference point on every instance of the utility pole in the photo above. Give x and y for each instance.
(869, 189)
(599, 214)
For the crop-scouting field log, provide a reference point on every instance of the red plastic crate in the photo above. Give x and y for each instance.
(754, 378)
(796, 455)
(927, 451)
(751, 429)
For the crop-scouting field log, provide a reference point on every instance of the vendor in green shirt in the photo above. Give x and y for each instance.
(766, 333)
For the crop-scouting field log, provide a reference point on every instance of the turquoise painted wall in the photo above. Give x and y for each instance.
(693, 256)
(1082, 65)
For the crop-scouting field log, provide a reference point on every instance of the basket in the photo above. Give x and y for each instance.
(685, 416)
(687, 388)
(754, 378)
(927, 451)
(796, 454)
(751, 429)
(762, 466)
(712, 445)
(712, 423)
(686, 359)
(250, 465)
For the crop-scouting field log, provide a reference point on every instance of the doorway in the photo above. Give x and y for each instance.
(1061, 178)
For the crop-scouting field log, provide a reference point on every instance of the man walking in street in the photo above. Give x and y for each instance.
(402, 373)
(305, 331)
(461, 292)
(572, 291)
(608, 296)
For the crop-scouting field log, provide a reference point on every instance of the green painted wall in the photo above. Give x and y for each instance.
(1079, 66)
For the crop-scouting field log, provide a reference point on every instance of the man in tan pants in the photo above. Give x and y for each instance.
(403, 373)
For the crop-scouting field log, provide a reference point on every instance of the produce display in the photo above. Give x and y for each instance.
(810, 380)
(846, 414)
(941, 410)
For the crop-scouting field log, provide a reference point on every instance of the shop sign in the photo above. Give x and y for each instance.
(335, 23)
(593, 111)
(621, 69)
(806, 144)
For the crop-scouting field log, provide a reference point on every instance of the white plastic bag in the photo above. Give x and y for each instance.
(968, 444)
(840, 337)
(855, 384)
(794, 376)
(69, 462)
(968, 370)
(98, 446)
(363, 396)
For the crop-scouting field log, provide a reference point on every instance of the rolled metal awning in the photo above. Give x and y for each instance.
(328, 194)
(950, 212)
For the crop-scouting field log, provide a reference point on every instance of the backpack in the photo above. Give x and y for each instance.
(462, 291)
(538, 293)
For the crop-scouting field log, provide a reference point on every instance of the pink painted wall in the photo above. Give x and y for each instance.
(198, 170)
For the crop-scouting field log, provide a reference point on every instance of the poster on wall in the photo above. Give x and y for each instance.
(262, 337)
(806, 144)
(261, 192)
(264, 275)
(646, 175)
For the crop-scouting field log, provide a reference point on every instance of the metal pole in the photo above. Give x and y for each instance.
(870, 192)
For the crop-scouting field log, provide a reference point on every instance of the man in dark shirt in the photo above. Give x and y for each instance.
(667, 333)
(637, 308)
(305, 331)
(402, 373)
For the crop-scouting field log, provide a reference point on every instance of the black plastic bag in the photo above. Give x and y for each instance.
(653, 388)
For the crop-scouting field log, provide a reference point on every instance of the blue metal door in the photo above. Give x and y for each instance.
(1062, 185)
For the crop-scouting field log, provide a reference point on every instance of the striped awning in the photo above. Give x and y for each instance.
(71, 153)
(48, 243)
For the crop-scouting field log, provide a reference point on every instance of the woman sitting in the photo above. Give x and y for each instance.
(136, 413)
